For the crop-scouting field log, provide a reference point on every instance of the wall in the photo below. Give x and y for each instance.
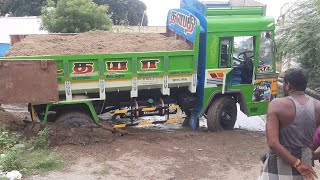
(19, 25)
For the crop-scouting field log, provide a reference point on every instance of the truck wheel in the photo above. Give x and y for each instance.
(74, 119)
(222, 114)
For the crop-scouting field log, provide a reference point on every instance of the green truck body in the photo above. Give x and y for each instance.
(232, 61)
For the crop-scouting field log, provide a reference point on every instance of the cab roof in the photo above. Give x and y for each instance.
(239, 23)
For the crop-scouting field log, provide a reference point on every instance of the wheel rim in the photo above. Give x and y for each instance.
(226, 116)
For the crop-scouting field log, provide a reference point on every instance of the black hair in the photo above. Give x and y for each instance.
(297, 78)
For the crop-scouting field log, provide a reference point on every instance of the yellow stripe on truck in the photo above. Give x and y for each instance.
(174, 107)
(172, 121)
(119, 126)
(145, 123)
(120, 111)
(33, 114)
(149, 109)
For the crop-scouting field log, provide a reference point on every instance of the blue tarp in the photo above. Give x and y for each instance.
(4, 47)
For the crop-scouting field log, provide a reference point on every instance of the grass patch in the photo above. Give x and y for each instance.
(8, 139)
(29, 162)
(42, 140)
(28, 157)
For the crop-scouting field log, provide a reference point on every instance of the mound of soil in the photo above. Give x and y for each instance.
(7, 118)
(63, 135)
(96, 42)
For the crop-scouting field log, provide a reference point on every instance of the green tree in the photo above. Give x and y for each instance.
(126, 12)
(300, 37)
(75, 16)
(22, 7)
(2, 7)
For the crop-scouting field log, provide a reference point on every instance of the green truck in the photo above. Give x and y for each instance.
(231, 61)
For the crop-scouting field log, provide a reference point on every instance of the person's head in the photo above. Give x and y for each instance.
(295, 79)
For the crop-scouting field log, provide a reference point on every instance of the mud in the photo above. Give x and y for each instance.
(60, 134)
(70, 135)
(97, 42)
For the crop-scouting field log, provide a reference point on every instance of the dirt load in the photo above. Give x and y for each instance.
(97, 42)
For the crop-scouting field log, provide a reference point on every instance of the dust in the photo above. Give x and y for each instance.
(95, 42)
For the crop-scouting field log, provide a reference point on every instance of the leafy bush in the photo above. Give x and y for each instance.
(8, 139)
(41, 141)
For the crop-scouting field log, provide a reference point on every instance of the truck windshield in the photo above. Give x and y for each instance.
(266, 53)
(243, 50)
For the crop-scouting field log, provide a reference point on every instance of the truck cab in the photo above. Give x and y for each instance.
(236, 60)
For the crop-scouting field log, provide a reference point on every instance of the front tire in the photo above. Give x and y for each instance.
(222, 114)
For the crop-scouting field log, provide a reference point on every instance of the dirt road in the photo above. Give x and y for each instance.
(181, 154)
(168, 152)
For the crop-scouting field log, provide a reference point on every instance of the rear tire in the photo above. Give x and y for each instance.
(222, 114)
(74, 119)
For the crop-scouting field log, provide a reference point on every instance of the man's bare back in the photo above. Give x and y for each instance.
(285, 109)
(291, 124)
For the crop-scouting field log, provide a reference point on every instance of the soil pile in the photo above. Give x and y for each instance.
(97, 42)
(6, 118)
(63, 135)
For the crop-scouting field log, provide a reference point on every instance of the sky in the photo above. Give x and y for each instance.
(157, 9)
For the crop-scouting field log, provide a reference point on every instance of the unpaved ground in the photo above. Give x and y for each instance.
(146, 153)
(97, 42)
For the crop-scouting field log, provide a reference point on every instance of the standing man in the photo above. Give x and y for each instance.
(291, 124)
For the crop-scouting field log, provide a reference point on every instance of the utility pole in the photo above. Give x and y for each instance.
(144, 13)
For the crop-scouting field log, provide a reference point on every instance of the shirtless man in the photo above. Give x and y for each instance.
(291, 124)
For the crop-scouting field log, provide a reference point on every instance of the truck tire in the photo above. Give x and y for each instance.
(222, 114)
(74, 119)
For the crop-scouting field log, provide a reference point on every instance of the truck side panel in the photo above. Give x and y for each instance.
(149, 68)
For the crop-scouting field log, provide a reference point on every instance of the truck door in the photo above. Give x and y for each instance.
(265, 85)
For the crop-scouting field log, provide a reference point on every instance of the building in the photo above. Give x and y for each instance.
(17, 25)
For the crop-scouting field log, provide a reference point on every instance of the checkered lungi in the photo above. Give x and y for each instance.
(275, 168)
